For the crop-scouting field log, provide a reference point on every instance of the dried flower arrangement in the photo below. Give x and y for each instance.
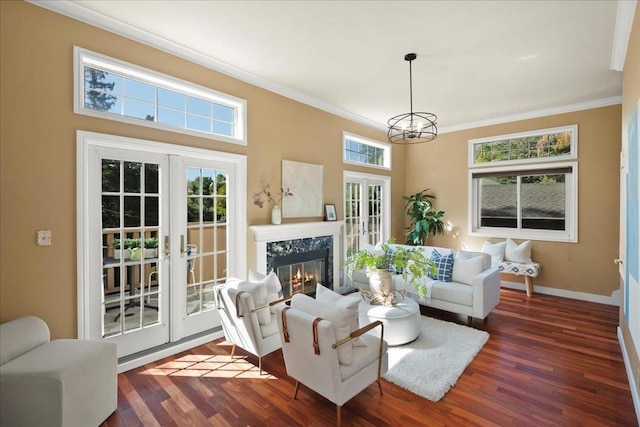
(266, 196)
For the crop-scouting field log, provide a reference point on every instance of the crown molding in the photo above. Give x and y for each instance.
(622, 32)
(605, 102)
(80, 13)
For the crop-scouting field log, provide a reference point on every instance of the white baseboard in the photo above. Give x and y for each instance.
(632, 378)
(167, 351)
(612, 300)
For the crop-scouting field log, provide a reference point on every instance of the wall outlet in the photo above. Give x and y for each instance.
(44, 237)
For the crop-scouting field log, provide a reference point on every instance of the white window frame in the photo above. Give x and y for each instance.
(570, 234)
(573, 154)
(86, 57)
(386, 150)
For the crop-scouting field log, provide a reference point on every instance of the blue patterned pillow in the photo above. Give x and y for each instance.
(444, 264)
(391, 268)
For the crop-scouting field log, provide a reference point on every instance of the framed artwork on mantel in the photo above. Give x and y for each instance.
(304, 180)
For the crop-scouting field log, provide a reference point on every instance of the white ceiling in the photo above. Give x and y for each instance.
(477, 60)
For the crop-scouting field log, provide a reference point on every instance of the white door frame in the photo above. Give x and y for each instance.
(85, 141)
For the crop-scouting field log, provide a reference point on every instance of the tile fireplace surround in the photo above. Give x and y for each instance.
(264, 234)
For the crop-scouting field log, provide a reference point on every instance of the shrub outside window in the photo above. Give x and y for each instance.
(117, 90)
(532, 197)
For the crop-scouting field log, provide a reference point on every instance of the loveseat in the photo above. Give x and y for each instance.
(63, 382)
(473, 288)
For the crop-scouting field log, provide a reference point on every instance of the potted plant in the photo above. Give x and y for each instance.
(151, 247)
(118, 246)
(425, 221)
(412, 264)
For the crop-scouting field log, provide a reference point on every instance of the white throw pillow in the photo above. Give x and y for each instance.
(339, 319)
(496, 250)
(518, 252)
(466, 267)
(349, 302)
(272, 282)
(258, 291)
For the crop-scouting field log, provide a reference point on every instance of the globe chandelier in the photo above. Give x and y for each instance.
(412, 128)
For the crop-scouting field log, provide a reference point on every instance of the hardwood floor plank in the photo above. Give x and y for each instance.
(549, 361)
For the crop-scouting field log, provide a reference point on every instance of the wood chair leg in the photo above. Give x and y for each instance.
(295, 392)
(260, 364)
(233, 351)
(339, 415)
(469, 320)
(529, 283)
(380, 386)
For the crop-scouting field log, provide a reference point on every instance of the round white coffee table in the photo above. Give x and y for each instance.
(401, 321)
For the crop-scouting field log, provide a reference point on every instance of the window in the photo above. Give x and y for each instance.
(519, 188)
(116, 90)
(363, 151)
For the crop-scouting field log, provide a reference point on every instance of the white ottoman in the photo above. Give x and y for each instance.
(401, 321)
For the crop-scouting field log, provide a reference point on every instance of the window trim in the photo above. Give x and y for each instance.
(84, 57)
(573, 154)
(570, 234)
(386, 150)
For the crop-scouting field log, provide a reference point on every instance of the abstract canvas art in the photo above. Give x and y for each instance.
(305, 182)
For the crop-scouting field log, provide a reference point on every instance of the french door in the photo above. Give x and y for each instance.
(159, 229)
(366, 209)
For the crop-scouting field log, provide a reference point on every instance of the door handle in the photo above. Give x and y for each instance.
(182, 249)
(167, 253)
(618, 261)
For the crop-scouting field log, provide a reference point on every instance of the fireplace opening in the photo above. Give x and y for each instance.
(301, 272)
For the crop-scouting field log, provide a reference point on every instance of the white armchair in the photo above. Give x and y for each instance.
(240, 320)
(311, 356)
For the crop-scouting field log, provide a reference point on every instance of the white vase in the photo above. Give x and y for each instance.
(276, 215)
(380, 281)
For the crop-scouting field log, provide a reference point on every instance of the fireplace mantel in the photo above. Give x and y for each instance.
(264, 234)
(298, 230)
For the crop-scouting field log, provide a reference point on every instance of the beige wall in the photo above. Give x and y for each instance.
(38, 151)
(586, 266)
(630, 101)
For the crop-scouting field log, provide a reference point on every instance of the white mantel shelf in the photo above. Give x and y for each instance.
(264, 234)
(298, 230)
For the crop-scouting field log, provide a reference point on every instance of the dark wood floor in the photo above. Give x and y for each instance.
(549, 362)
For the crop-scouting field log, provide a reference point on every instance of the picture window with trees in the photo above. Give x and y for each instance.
(525, 185)
(112, 89)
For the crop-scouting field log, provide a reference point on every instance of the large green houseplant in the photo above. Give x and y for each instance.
(412, 264)
(425, 221)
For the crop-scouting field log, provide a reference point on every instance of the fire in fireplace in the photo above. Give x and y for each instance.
(301, 272)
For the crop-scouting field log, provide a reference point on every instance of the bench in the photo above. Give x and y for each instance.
(528, 270)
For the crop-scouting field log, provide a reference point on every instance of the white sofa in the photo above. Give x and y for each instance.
(473, 291)
(63, 382)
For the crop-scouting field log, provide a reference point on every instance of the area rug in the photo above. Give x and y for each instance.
(431, 365)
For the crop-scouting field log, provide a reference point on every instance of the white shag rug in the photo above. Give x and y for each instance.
(431, 365)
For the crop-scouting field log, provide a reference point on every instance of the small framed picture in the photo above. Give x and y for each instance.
(330, 213)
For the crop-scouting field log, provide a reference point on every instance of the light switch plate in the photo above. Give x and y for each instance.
(44, 237)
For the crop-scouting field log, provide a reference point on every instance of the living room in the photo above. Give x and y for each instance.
(43, 281)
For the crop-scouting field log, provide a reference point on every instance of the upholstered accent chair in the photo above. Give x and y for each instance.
(64, 382)
(246, 324)
(311, 354)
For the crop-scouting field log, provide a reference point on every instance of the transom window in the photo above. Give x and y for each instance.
(534, 197)
(363, 151)
(116, 90)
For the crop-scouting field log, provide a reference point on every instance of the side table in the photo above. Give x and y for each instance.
(401, 321)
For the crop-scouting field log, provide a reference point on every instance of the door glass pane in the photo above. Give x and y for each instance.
(375, 217)
(498, 206)
(352, 216)
(130, 239)
(206, 236)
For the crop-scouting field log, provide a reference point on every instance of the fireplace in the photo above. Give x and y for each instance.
(311, 247)
(301, 272)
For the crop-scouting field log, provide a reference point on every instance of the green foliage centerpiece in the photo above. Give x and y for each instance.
(410, 263)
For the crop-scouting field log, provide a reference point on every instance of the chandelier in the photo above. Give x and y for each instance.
(412, 128)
